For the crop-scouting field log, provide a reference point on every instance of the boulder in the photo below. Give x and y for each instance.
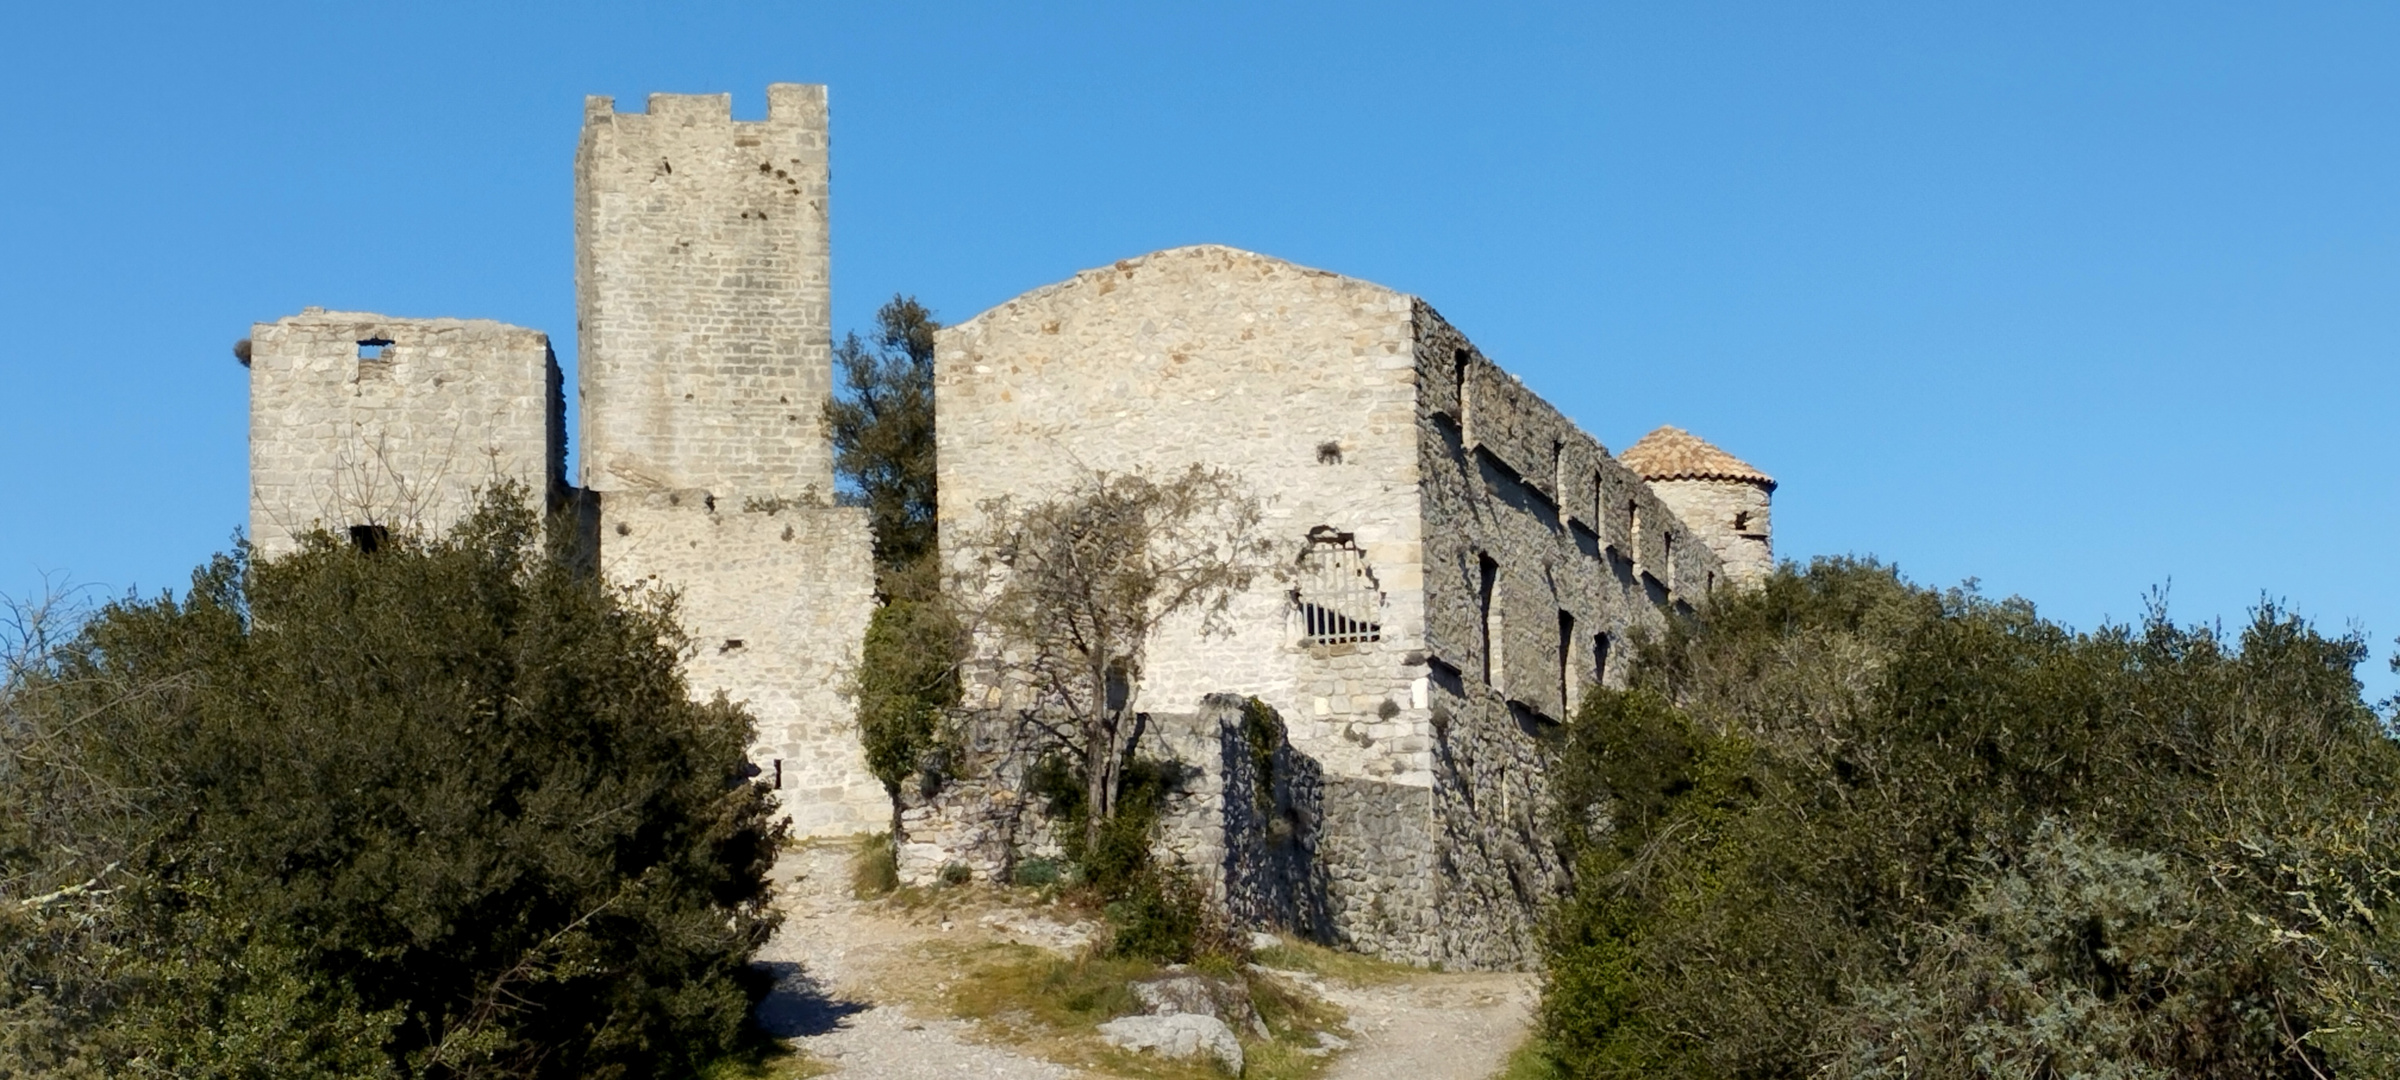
(1177, 1035)
(1201, 995)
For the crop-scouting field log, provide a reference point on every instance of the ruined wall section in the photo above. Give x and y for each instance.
(364, 419)
(776, 599)
(1535, 571)
(1566, 528)
(703, 286)
(1301, 381)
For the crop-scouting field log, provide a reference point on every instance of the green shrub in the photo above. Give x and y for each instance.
(1038, 872)
(1848, 827)
(441, 809)
(874, 868)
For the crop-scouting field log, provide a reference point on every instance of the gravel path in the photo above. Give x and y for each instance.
(828, 949)
(1459, 1026)
(1437, 1026)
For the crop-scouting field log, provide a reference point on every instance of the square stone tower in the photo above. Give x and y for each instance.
(703, 288)
(703, 284)
(362, 423)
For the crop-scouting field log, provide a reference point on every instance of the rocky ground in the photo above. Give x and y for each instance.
(846, 967)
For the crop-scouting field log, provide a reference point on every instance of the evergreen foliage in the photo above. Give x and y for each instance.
(1848, 827)
(443, 810)
(881, 423)
(882, 426)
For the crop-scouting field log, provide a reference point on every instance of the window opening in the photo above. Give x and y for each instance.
(375, 349)
(368, 538)
(1339, 600)
(1633, 531)
(1600, 645)
(779, 774)
(1459, 371)
(1118, 687)
(1570, 677)
(1491, 622)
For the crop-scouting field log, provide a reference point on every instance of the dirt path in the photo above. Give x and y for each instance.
(827, 956)
(833, 952)
(1459, 1026)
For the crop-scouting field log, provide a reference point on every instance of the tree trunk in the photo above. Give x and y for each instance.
(1099, 762)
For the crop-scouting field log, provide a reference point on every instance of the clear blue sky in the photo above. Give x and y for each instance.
(2074, 298)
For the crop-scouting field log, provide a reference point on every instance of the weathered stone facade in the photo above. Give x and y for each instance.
(703, 288)
(1507, 552)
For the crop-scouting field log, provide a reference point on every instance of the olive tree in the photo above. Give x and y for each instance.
(1073, 588)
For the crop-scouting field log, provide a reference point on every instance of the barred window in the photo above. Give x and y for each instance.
(1338, 598)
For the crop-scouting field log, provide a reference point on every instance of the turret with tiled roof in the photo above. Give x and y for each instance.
(1722, 499)
(1671, 453)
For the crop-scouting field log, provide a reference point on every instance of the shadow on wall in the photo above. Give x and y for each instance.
(1272, 811)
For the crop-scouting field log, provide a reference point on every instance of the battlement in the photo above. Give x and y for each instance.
(788, 104)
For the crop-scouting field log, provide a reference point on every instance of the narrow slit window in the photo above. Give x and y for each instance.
(1460, 369)
(1491, 621)
(1600, 659)
(1570, 674)
(1340, 602)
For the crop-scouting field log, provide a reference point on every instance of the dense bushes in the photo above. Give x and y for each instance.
(442, 810)
(1853, 828)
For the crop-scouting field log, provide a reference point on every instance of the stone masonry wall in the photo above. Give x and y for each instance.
(1414, 809)
(399, 435)
(702, 280)
(776, 599)
(1732, 518)
(1299, 380)
(703, 290)
(1515, 492)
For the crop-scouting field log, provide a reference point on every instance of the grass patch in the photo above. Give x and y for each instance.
(1348, 967)
(1530, 1061)
(1051, 1006)
(775, 1061)
(874, 867)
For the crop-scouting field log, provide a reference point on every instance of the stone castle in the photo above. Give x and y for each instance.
(1462, 559)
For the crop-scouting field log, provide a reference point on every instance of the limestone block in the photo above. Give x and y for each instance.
(1178, 1036)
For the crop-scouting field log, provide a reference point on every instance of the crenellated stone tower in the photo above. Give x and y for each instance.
(703, 290)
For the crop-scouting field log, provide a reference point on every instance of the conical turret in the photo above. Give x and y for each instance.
(1721, 498)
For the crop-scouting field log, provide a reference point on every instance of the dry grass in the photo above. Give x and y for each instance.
(1051, 1006)
(874, 867)
(1346, 967)
(782, 1063)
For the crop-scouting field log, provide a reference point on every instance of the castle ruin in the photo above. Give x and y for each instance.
(1461, 561)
